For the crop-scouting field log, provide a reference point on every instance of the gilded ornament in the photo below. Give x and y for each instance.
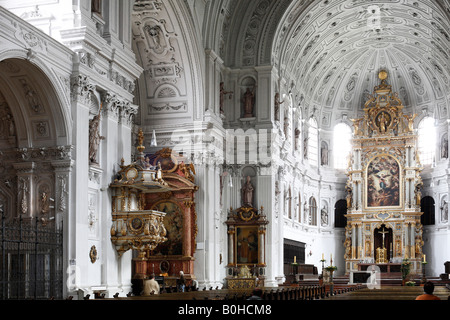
(93, 254)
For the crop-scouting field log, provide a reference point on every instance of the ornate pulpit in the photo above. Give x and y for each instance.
(134, 226)
(383, 186)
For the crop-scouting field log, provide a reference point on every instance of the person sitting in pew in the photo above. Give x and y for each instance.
(428, 289)
(256, 294)
(151, 286)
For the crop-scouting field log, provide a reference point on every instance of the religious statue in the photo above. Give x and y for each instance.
(94, 138)
(305, 147)
(286, 125)
(244, 272)
(324, 216)
(324, 155)
(277, 104)
(247, 193)
(356, 125)
(45, 204)
(383, 123)
(222, 96)
(418, 187)
(349, 196)
(444, 211)
(348, 248)
(444, 148)
(297, 135)
(96, 6)
(155, 37)
(410, 120)
(249, 97)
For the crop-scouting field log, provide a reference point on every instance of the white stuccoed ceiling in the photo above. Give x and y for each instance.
(330, 51)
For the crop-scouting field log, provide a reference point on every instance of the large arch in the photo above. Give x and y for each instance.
(40, 109)
(35, 131)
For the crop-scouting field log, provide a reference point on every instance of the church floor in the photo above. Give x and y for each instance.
(390, 293)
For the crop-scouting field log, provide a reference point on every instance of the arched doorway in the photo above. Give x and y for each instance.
(427, 206)
(34, 185)
(340, 210)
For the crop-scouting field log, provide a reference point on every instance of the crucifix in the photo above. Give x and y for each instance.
(383, 232)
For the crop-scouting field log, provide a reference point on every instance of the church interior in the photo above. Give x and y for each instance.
(300, 147)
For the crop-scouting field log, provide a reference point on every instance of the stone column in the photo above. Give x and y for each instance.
(231, 233)
(360, 242)
(212, 81)
(78, 250)
(413, 240)
(353, 241)
(187, 226)
(263, 109)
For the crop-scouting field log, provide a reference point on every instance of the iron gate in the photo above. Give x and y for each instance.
(31, 259)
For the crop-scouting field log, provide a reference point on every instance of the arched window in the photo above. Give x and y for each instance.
(427, 207)
(340, 210)
(312, 211)
(313, 136)
(427, 140)
(342, 146)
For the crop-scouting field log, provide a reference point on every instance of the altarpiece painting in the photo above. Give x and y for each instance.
(383, 182)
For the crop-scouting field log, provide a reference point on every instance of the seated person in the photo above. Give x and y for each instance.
(428, 288)
(150, 286)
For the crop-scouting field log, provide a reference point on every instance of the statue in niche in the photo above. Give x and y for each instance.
(382, 122)
(286, 125)
(223, 93)
(94, 138)
(444, 148)
(349, 195)
(297, 135)
(96, 6)
(277, 104)
(305, 147)
(305, 211)
(249, 97)
(247, 193)
(324, 216)
(324, 155)
(45, 202)
(444, 211)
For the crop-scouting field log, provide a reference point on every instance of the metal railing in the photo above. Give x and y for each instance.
(31, 259)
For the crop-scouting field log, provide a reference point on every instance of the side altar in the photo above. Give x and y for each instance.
(246, 247)
(383, 186)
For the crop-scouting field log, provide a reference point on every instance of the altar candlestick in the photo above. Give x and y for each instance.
(424, 258)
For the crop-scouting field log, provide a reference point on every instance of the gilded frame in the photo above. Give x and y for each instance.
(375, 207)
